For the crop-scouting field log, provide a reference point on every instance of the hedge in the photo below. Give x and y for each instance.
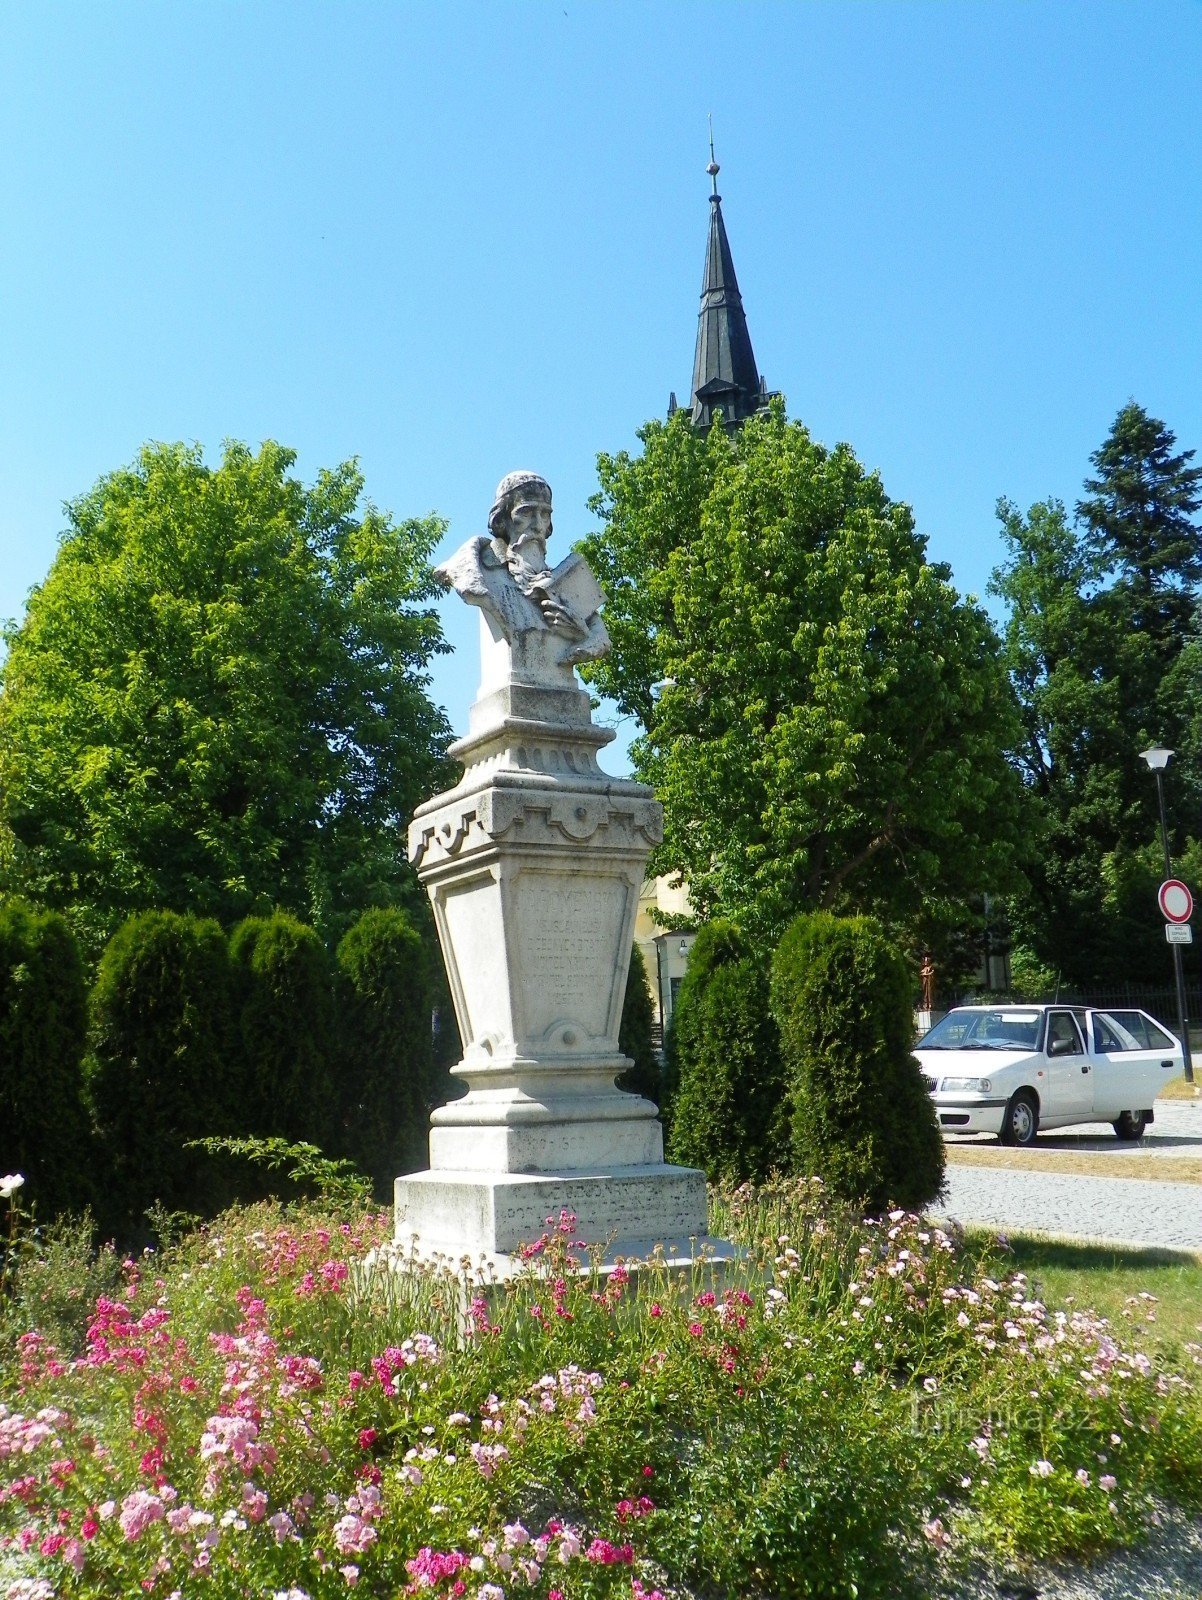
(634, 1032)
(283, 1014)
(727, 1111)
(862, 1120)
(161, 1067)
(43, 1035)
(386, 1061)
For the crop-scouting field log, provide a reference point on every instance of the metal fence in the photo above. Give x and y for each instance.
(1158, 1000)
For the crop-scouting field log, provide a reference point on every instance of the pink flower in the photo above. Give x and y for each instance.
(1107, 1482)
(657, 1310)
(429, 1567)
(1041, 1469)
(353, 1535)
(254, 1502)
(696, 1329)
(281, 1525)
(607, 1555)
(138, 1510)
(367, 1437)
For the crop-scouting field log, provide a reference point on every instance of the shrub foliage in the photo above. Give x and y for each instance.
(283, 1014)
(634, 1032)
(386, 1060)
(861, 1119)
(727, 1106)
(159, 1068)
(43, 1034)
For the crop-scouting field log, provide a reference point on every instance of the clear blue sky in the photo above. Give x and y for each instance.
(457, 239)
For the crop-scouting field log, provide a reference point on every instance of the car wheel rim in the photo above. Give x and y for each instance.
(1022, 1121)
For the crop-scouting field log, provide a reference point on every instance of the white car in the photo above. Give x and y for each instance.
(1012, 1070)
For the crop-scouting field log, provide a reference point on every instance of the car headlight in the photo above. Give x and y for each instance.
(971, 1084)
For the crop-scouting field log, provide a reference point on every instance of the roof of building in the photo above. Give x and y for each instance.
(725, 375)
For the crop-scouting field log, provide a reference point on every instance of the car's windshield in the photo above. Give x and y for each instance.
(1002, 1029)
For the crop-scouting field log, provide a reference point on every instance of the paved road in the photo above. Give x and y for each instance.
(1135, 1211)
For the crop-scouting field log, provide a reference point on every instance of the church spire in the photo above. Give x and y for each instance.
(725, 375)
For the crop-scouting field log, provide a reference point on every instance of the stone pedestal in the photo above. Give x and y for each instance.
(533, 864)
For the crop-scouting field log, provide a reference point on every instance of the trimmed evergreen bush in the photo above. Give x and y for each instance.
(634, 1032)
(43, 1036)
(727, 1112)
(386, 1058)
(861, 1119)
(159, 1069)
(283, 999)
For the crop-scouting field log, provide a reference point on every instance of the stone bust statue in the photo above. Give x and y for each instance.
(507, 576)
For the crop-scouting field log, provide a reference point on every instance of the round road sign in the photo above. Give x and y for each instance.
(1176, 901)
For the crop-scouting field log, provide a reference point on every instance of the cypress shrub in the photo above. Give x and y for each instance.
(861, 1119)
(43, 1036)
(386, 1061)
(634, 1032)
(727, 1112)
(719, 942)
(158, 1073)
(283, 1011)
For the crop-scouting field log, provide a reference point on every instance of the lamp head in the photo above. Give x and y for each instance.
(1156, 758)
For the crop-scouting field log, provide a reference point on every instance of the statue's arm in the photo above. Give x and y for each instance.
(464, 572)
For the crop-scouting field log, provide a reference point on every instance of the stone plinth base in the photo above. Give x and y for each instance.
(628, 1210)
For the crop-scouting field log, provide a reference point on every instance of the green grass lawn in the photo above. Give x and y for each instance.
(1111, 1282)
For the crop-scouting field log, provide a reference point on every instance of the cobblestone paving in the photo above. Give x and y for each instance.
(1130, 1210)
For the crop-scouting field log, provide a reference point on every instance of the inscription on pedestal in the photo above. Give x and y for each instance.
(570, 934)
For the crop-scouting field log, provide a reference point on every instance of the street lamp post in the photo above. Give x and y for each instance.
(1158, 760)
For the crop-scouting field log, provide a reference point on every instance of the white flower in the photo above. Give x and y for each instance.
(10, 1184)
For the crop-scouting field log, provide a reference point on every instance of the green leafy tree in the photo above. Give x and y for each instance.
(824, 718)
(217, 699)
(1138, 515)
(862, 1120)
(43, 1035)
(1128, 884)
(1102, 651)
(283, 1005)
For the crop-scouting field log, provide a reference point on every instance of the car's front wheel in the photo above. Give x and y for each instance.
(1130, 1124)
(1021, 1121)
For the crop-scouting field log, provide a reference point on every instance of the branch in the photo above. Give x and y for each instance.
(870, 849)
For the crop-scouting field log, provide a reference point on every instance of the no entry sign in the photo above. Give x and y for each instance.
(1176, 901)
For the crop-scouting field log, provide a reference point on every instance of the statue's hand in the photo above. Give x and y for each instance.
(555, 614)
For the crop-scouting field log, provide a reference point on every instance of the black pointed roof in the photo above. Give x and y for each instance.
(725, 375)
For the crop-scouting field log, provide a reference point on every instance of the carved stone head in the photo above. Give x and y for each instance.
(517, 492)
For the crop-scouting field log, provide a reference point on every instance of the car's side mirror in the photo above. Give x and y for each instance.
(1061, 1047)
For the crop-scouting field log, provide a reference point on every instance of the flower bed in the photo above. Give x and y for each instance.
(856, 1407)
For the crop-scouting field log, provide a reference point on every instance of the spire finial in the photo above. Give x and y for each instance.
(713, 169)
